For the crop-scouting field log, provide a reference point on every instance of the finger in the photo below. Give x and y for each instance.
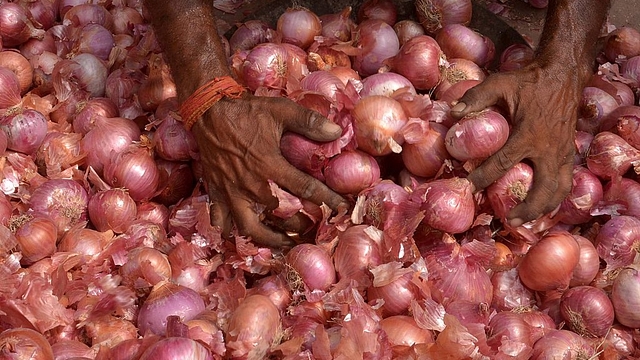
(219, 212)
(477, 98)
(307, 122)
(250, 225)
(497, 164)
(547, 192)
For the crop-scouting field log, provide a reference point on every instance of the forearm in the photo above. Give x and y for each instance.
(571, 32)
(187, 33)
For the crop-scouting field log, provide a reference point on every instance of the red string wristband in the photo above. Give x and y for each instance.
(206, 95)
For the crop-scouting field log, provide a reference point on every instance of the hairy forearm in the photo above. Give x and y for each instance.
(187, 33)
(571, 32)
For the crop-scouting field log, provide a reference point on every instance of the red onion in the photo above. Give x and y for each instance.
(94, 39)
(419, 60)
(631, 71)
(297, 60)
(624, 296)
(625, 192)
(377, 42)
(34, 47)
(24, 343)
(628, 124)
(351, 172)
(276, 288)
(541, 323)
(84, 14)
(377, 121)
(299, 26)
(173, 142)
(583, 143)
(595, 106)
(311, 265)
(303, 153)
(508, 291)
(385, 84)
(89, 111)
(448, 204)
(622, 42)
(83, 241)
(174, 348)
(249, 34)
(153, 212)
(36, 239)
(125, 19)
(562, 344)
(436, 14)
(549, 264)
(407, 29)
(620, 91)
(346, 74)
(396, 287)
(510, 190)
(588, 263)
(338, 26)
(20, 66)
(168, 299)
(384, 10)
(324, 83)
(477, 135)
(265, 65)
(610, 155)
(381, 202)
(587, 310)
(509, 334)
(455, 71)
(620, 339)
(25, 130)
(112, 209)
(424, 151)
(585, 194)
(83, 72)
(135, 170)
(515, 57)
(459, 41)
(146, 267)
(456, 91)
(15, 25)
(109, 137)
(403, 331)
(253, 327)
(63, 201)
(618, 241)
(357, 251)
(179, 183)
(9, 88)
(121, 85)
(158, 87)
(58, 152)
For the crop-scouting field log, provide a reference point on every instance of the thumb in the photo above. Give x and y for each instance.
(476, 99)
(309, 123)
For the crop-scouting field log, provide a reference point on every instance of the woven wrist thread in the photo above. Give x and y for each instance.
(206, 95)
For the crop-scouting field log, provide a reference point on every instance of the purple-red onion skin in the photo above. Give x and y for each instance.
(174, 348)
(249, 34)
(510, 190)
(378, 42)
(610, 155)
(562, 344)
(112, 209)
(477, 136)
(459, 41)
(384, 10)
(355, 254)
(313, 265)
(618, 240)
(299, 26)
(625, 297)
(448, 205)
(385, 84)
(25, 130)
(585, 194)
(549, 264)
(625, 192)
(36, 239)
(407, 29)
(419, 60)
(266, 66)
(351, 172)
(427, 156)
(403, 330)
(252, 328)
(63, 201)
(622, 42)
(25, 343)
(587, 310)
(168, 299)
(627, 119)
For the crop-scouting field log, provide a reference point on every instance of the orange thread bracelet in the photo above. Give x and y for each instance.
(206, 95)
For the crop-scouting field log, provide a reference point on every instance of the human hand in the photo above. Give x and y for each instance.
(542, 103)
(239, 141)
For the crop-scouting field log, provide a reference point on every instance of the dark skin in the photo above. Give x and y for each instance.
(239, 138)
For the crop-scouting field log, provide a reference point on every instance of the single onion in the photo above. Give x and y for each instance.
(508, 333)
(541, 323)
(109, 137)
(508, 291)
(396, 288)
(311, 265)
(455, 71)
(424, 151)
(377, 42)
(436, 14)
(252, 328)
(63, 201)
(625, 192)
(112, 209)
(351, 172)
(630, 70)
(297, 62)
(94, 39)
(596, 104)
(276, 288)
(83, 241)
(621, 339)
(88, 112)
(515, 57)
(34, 47)
(9, 88)
(20, 66)
(299, 26)
(627, 119)
(84, 71)
(249, 34)
(623, 42)
(357, 251)
(36, 239)
(174, 348)
(448, 204)
(168, 299)
(125, 19)
(407, 29)
(587, 310)
(323, 82)
(135, 170)
(384, 10)
(145, 266)
(610, 156)
(154, 212)
(620, 91)
(24, 343)
(588, 263)
(456, 91)
(265, 65)
(625, 296)
(338, 26)
(25, 130)
(15, 25)
(179, 182)
(585, 194)
(158, 86)
(173, 142)
(510, 190)
(477, 135)
(403, 330)
(562, 344)
(303, 153)
(549, 264)
(377, 121)
(346, 75)
(419, 60)
(460, 41)
(583, 143)
(385, 84)
(618, 241)
(83, 14)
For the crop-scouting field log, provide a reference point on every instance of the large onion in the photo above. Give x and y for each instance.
(549, 264)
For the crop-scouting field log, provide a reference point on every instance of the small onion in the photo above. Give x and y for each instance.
(424, 151)
(276, 288)
(83, 241)
(508, 291)
(25, 130)
(249, 34)
(459, 41)
(515, 57)
(146, 264)
(509, 329)
(618, 241)
(435, 14)
(312, 265)
(596, 104)
(385, 84)
(549, 264)
(625, 296)
(252, 328)
(173, 348)
(351, 172)
(338, 25)
(15, 25)
(94, 39)
(585, 194)
(510, 190)
(9, 88)
(627, 119)
(631, 71)
(448, 204)
(303, 153)
(455, 71)
(610, 156)
(112, 209)
(384, 10)
(135, 170)
(625, 192)
(377, 121)
(398, 292)
(63, 201)
(109, 137)
(179, 182)
(172, 141)
(407, 29)
(24, 343)
(265, 65)
(587, 310)
(356, 252)
(419, 60)
(20, 66)
(377, 42)
(36, 239)
(125, 19)
(622, 42)
(168, 299)
(477, 135)
(299, 26)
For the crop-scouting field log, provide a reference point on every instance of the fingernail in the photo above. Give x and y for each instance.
(515, 222)
(459, 107)
(331, 128)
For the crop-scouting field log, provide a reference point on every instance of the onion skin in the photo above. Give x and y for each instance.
(419, 60)
(625, 298)
(253, 327)
(585, 194)
(610, 155)
(37, 239)
(299, 26)
(587, 310)
(355, 253)
(459, 41)
(63, 201)
(549, 264)
(24, 343)
(510, 190)
(265, 65)
(312, 265)
(514, 328)
(168, 299)
(425, 155)
(25, 130)
(407, 29)
(618, 240)
(622, 42)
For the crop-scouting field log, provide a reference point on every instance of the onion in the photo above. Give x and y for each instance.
(174, 348)
(323, 82)
(377, 121)
(549, 264)
(583, 143)
(338, 26)
(403, 330)
(587, 310)
(541, 323)
(297, 62)
(109, 137)
(356, 252)
(20, 66)
(24, 343)
(419, 60)
(94, 39)
(448, 204)
(145, 266)
(9, 88)
(265, 65)
(158, 87)
(624, 192)
(25, 130)
(595, 106)
(311, 265)
(249, 34)
(508, 333)
(253, 327)
(351, 172)
(89, 111)
(631, 71)
(346, 75)
(585, 194)
(299, 26)
(407, 29)
(610, 156)
(628, 124)
(15, 26)
(620, 339)
(455, 71)
(112, 209)
(36, 239)
(83, 241)
(173, 142)
(620, 91)
(508, 291)
(623, 42)
(424, 151)
(436, 14)
(624, 296)
(58, 152)
(477, 135)
(384, 10)
(515, 57)
(303, 153)
(618, 241)
(385, 84)
(396, 288)
(456, 91)
(34, 47)
(167, 299)
(276, 288)
(588, 263)
(125, 19)
(179, 182)
(83, 72)
(562, 344)
(135, 170)
(84, 14)
(63, 201)
(510, 190)
(459, 41)
(377, 42)
(153, 212)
